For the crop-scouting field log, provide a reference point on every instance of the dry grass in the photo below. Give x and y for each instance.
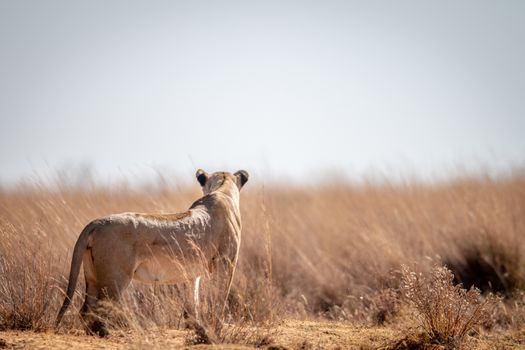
(329, 252)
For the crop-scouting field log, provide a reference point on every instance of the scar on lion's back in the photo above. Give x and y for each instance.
(165, 217)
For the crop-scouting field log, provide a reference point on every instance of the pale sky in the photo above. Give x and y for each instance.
(280, 88)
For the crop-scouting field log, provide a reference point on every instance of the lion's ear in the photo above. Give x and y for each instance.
(202, 177)
(242, 177)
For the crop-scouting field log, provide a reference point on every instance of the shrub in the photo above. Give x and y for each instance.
(26, 293)
(446, 312)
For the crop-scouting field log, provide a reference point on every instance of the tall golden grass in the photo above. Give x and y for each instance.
(325, 251)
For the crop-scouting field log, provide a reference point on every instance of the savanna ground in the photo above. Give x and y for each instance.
(336, 265)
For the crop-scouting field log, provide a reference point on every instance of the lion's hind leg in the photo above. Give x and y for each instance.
(88, 311)
(110, 278)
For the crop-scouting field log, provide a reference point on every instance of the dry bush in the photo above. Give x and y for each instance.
(446, 312)
(28, 283)
(26, 292)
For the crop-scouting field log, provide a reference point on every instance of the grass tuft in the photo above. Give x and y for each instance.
(446, 312)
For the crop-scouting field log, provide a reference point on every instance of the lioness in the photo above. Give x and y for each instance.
(159, 248)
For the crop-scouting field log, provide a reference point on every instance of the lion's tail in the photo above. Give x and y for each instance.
(76, 262)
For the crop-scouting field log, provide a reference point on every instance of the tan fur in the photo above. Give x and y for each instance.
(166, 217)
(160, 248)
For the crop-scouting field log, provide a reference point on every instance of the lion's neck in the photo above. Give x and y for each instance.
(223, 197)
(232, 193)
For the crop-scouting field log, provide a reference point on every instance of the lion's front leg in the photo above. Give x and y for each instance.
(221, 279)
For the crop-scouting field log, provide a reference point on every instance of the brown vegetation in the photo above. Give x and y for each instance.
(329, 252)
(445, 312)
